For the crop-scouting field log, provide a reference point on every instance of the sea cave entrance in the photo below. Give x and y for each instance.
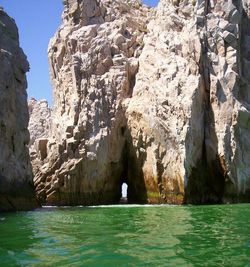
(130, 183)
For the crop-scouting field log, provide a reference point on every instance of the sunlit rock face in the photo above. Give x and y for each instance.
(165, 114)
(157, 98)
(227, 61)
(189, 114)
(16, 183)
(40, 119)
(39, 129)
(94, 60)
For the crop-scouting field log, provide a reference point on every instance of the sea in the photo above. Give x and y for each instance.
(127, 235)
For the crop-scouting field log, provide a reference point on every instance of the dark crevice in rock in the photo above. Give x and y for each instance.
(131, 84)
(13, 143)
(132, 173)
(207, 180)
(160, 171)
(137, 192)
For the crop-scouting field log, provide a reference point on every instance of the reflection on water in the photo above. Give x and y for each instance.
(219, 236)
(127, 236)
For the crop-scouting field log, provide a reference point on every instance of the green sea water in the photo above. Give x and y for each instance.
(216, 235)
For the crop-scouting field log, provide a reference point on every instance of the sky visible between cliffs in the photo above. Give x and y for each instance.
(37, 21)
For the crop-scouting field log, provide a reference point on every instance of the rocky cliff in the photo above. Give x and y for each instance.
(155, 98)
(94, 60)
(16, 185)
(189, 114)
(39, 121)
(39, 129)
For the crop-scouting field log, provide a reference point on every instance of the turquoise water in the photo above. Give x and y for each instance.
(127, 236)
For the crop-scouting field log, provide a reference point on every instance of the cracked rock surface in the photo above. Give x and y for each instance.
(94, 60)
(158, 98)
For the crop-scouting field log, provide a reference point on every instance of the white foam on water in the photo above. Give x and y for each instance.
(110, 206)
(62, 207)
(11, 253)
(129, 206)
(49, 207)
(2, 218)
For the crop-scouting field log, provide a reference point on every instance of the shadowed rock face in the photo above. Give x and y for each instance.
(157, 98)
(16, 183)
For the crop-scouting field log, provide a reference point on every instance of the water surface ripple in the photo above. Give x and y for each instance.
(216, 235)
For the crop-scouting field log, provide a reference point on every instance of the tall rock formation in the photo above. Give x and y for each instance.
(94, 60)
(189, 114)
(155, 98)
(16, 185)
(165, 114)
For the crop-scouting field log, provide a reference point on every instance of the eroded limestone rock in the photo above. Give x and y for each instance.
(163, 106)
(39, 128)
(94, 60)
(189, 112)
(40, 120)
(165, 114)
(16, 185)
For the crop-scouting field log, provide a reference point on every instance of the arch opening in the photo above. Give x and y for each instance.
(124, 193)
